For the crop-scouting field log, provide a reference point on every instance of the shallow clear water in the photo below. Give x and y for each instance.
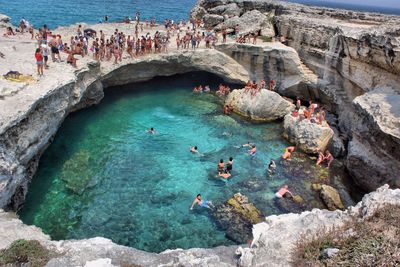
(56, 13)
(104, 175)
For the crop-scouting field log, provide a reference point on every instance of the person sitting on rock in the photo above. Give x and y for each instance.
(272, 85)
(201, 203)
(295, 113)
(283, 191)
(9, 32)
(225, 174)
(288, 153)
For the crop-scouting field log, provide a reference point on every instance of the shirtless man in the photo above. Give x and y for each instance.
(282, 192)
(321, 157)
(201, 203)
(194, 150)
(253, 151)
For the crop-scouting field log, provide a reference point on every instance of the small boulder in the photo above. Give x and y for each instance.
(329, 253)
(316, 187)
(211, 20)
(265, 106)
(298, 199)
(309, 137)
(331, 197)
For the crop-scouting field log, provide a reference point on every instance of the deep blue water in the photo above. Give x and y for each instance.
(61, 13)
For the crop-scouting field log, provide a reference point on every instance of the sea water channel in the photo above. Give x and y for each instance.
(105, 175)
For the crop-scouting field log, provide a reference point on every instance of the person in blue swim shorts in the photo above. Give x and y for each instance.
(201, 203)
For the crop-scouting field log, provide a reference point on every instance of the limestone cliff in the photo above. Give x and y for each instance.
(351, 52)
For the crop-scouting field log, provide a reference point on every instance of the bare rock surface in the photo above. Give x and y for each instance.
(265, 106)
(307, 136)
(374, 157)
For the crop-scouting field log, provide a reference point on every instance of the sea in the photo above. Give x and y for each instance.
(56, 13)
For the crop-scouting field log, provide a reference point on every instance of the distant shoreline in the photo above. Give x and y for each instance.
(347, 6)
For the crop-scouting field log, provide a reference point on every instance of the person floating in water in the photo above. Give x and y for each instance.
(248, 144)
(151, 131)
(253, 151)
(288, 153)
(201, 203)
(283, 191)
(225, 174)
(271, 166)
(194, 150)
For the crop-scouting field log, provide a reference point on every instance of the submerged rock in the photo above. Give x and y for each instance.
(265, 106)
(77, 172)
(331, 197)
(237, 216)
(309, 137)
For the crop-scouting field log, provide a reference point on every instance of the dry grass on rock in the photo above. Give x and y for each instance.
(371, 242)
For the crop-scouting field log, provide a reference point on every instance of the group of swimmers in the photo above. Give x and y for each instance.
(223, 90)
(201, 89)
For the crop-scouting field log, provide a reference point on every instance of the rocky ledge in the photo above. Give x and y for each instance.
(272, 245)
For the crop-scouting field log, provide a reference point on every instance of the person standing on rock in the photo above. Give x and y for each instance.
(39, 61)
(201, 203)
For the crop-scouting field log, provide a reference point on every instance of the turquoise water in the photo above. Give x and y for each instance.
(56, 13)
(104, 175)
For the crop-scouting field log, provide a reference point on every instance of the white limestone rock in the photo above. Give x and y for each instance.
(265, 106)
(307, 136)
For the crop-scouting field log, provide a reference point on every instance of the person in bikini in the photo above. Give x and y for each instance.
(201, 203)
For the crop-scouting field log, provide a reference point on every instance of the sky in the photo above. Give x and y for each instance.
(380, 3)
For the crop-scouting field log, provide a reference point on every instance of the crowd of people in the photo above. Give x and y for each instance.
(135, 43)
(254, 88)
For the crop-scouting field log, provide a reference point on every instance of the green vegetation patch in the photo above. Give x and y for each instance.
(29, 252)
(372, 242)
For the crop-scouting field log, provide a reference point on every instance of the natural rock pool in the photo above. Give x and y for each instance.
(104, 175)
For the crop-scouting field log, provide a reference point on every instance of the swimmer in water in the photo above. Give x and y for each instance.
(201, 203)
(271, 166)
(194, 150)
(229, 165)
(247, 145)
(225, 174)
(221, 166)
(253, 151)
(152, 131)
(282, 192)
